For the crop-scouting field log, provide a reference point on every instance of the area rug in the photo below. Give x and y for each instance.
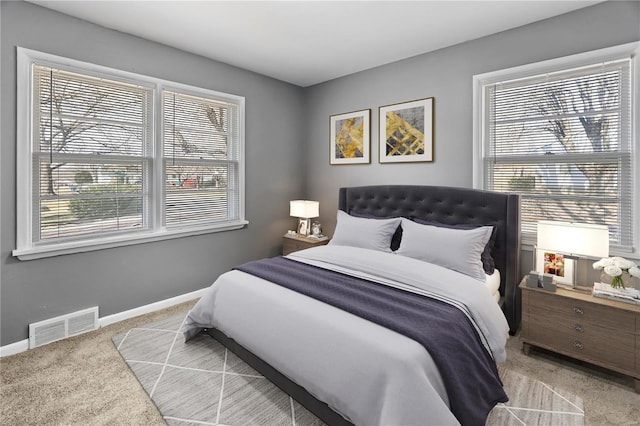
(202, 383)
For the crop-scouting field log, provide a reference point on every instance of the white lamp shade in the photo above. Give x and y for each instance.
(304, 209)
(579, 239)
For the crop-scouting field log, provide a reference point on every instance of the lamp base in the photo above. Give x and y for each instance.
(582, 288)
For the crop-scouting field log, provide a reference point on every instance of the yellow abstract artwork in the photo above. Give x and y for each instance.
(350, 138)
(402, 138)
(406, 131)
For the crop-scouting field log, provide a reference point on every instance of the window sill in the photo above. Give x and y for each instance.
(60, 249)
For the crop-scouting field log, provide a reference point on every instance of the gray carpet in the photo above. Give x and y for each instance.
(201, 383)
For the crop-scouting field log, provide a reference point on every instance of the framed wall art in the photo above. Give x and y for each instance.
(406, 131)
(555, 264)
(350, 140)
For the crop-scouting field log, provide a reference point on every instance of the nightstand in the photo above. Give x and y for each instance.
(291, 243)
(599, 331)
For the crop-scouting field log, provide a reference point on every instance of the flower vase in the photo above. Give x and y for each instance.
(621, 281)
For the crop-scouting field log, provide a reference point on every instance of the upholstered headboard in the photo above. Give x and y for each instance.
(450, 205)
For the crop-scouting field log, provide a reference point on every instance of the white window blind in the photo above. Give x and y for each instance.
(201, 160)
(564, 141)
(107, 158)
(90, 157)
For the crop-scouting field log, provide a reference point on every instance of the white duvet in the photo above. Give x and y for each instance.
(367, 373)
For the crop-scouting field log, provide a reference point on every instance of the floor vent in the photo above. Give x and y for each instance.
(47, 331)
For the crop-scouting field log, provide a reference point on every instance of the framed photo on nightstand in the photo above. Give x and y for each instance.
(302, 227)
(548, 262)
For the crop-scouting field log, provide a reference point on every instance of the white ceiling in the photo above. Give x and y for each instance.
(309, 42)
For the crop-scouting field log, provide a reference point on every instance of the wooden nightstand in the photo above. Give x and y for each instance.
(291, 243)
(599, 331)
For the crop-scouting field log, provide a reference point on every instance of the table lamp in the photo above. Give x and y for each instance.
(304, 210)
(573, 241)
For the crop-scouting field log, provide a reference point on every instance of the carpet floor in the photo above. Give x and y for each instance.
(201, 382)
(84, 380)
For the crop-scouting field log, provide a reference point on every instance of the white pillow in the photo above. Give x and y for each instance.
(457, 249)
(366, 233)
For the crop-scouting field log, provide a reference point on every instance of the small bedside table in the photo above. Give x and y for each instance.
(291, 243)
(592, 329)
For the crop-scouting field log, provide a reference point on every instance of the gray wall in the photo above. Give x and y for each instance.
(124, 278)
(446, 75)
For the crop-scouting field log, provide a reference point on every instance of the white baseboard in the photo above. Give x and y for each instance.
(14, 348)
(110, 319)
(23, 345)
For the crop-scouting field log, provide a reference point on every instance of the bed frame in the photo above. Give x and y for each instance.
(448, 205)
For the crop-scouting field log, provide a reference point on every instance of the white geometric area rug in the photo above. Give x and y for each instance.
(532, 402)
(202, 383)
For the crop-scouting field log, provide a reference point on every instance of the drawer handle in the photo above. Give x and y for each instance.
(578, 345)
(579, 328)
(578, 311)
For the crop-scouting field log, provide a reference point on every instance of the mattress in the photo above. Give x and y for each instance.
(492, 283)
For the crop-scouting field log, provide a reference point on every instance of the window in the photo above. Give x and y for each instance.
(560, 133)
(107, 158)
(201, 167)
(92, 139)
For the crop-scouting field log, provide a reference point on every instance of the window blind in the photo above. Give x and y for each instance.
(91, 138)
(201, 160)
(563, 141)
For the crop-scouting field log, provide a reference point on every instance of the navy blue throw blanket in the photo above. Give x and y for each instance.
(469, 373)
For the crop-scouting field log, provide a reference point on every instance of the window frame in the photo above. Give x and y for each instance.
(481, 131)
(26, 248)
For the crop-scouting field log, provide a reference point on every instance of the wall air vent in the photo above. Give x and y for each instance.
(47, 331)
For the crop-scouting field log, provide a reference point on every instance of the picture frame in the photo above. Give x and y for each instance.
(406, 131)
(556, 264)
(302, 227)
(350, 137)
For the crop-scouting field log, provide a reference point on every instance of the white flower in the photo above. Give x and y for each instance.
(622, 263)
(634, 271)
(612, 270)
(600, 264)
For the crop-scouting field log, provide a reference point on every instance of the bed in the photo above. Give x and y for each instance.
(353, 369)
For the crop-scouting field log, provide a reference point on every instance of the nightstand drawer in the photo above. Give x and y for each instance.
(598, 351)
(575, 327)
(584, 311)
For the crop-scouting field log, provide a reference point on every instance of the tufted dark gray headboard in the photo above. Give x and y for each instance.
(452, 205)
